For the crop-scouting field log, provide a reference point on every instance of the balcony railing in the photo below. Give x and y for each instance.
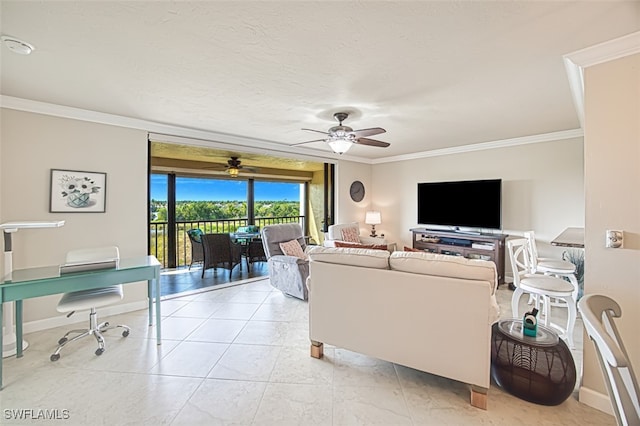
(159, 231)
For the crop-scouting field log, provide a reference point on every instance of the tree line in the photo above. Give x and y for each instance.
(212, 210)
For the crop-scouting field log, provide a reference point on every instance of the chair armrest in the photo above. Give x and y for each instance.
(292, 260)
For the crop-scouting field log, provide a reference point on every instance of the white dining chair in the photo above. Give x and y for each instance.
(598, 312)
(542, 288)
(550, 266)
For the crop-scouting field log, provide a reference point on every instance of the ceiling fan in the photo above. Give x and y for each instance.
(341, 138)
(234, 166)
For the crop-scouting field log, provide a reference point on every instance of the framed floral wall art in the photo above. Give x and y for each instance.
(75, 191)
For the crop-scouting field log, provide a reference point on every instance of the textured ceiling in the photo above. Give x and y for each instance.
(433, 74)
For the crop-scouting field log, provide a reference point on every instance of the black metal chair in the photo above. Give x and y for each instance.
(197, 252)
(220, 252)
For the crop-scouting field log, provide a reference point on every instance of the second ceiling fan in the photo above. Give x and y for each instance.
(233, 167)
(341, 138)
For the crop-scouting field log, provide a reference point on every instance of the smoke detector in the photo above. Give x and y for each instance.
(17, 46)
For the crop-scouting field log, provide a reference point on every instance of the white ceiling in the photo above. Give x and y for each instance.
(433, 74)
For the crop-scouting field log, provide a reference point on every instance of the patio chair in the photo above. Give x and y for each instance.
(197, 252)
(220, 252)
(286, 273)
(254, 252)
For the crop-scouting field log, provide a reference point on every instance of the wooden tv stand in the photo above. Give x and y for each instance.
(487, 246)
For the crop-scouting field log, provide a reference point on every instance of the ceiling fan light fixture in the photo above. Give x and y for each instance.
(233, 172)
(340, 145)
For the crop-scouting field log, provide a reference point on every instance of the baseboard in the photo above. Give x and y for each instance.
(82, 316)
(595, 399)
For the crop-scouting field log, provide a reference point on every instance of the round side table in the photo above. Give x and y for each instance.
(537, 369)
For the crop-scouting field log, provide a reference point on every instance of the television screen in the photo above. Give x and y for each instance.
(469, 204)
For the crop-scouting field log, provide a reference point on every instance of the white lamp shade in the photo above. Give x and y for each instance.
(372, 218)
(340, 145)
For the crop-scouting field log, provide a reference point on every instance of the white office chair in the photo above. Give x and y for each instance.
(549, 266)
(541, 287)
(90, 299)
(597, 314)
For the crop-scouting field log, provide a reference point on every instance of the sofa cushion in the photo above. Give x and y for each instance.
(292, 248)
(413, 249)
(444, 266)
(345, 244)
(367, 258)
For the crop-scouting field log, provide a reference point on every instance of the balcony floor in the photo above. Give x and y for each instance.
(183, 280)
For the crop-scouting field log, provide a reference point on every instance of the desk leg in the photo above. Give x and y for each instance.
(158, 313)
(1, 342)
(150, 296)
(19, 329)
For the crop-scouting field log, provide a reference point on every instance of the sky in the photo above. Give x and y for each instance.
(196, 189)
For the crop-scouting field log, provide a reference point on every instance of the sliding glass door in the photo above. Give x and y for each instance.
(181, 203)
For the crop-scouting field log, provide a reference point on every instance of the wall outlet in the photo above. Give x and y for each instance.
(614, 239)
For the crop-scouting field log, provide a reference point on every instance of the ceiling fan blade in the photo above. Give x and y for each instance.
(372, 142)
(368, 132)
(317, 131)
(302, 143)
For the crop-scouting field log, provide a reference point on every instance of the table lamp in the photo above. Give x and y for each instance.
(372, 218)
(9, 338)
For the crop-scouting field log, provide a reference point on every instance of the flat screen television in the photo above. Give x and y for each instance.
(461, 204)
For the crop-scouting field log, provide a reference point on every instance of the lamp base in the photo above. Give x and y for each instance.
(373, 232)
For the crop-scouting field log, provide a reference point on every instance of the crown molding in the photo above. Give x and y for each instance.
(505, 143)
(176, 134)
(577, 61)
(606, 51)
(171, 133)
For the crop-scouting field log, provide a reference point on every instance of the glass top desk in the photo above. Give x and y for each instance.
(47, 280)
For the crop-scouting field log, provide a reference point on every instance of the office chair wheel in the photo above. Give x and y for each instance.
(63, 340)
(99, 351)
(54, 357)
(125, 333)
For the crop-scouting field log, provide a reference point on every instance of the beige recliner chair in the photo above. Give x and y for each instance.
(287, 273)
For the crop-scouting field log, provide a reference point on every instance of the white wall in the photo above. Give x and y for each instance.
(30, 146)
(543, 188)
(348, 210)
(612, 165)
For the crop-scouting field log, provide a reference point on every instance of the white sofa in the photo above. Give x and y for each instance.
(426, 311)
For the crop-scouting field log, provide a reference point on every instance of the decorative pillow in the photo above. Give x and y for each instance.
(293, 248)
(411, 249)
(350, 235)
(345, 244)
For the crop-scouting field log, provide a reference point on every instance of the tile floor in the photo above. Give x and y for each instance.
(240, 356)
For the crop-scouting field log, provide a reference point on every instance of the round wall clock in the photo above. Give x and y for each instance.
(356, 191)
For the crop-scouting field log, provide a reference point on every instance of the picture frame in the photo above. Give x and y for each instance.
(76, 191)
